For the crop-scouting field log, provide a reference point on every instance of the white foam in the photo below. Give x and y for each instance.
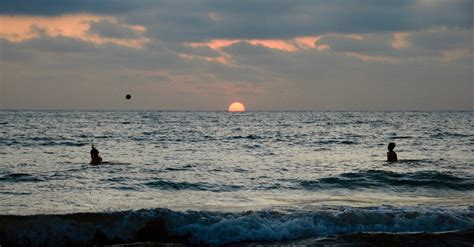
(202, 227)
(271, 226)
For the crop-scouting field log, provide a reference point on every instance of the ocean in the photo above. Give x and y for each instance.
(219, 178)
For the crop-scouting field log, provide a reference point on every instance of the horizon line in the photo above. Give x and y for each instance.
(246, 111)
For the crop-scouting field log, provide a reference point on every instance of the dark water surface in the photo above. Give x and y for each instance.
(223, 178)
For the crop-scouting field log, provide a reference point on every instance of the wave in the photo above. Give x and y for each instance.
(63, 143)
(441, 135)
(250, 137)
(173, 185)
(180, 168)
(113, 163)
(382, 179)
(372, 179)
(42, 142)
(20, 177)
(215, 228)
(336, 141)
(400, 137)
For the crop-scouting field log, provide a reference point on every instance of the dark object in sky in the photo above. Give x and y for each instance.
(128, 96)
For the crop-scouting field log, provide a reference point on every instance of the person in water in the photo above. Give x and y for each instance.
(391, 155)
(95, 158)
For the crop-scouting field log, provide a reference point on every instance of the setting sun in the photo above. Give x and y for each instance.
(236, 107)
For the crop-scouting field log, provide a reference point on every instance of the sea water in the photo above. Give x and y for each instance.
(222, 178)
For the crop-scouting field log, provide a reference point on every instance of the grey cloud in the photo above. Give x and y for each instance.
(70, 52)
(373, 44)
(32, 51)
(305, 64)
(203, 51)
(444, 39)
(12, 53)
(427, 44)
(244, 19)
(339, 82)
(59, 45)
(59, 7)
(82, 72)
(284, 19)
(300, 80)
(110, 29)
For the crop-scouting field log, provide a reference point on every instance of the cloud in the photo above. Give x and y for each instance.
(400, 40)
(443, 38)
(86, 27)
(200, 20)
(61, 7)
(256, 46)
(198, 55)
(110, 29)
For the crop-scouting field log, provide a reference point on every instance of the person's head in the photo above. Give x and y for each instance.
(391, 146)
(94, 152)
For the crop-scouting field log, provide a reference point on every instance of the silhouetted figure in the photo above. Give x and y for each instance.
(95, 158)
(391, 155)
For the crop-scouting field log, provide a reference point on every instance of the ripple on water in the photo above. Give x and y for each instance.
(21, 177)
(388, 180)
(203, 186)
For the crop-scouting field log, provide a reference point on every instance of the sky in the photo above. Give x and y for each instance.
(268, 54)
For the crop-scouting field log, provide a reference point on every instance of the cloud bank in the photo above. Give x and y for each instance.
(271, 55)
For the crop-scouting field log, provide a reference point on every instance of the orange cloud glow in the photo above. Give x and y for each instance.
(215, 43)
(308, 41)
(20, 28)
(276, 44)
(287, 45)
(303, 43)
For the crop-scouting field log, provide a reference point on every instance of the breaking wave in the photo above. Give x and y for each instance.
(214, 228)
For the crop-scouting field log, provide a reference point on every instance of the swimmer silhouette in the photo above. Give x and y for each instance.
(391, 155)
(95, 158)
